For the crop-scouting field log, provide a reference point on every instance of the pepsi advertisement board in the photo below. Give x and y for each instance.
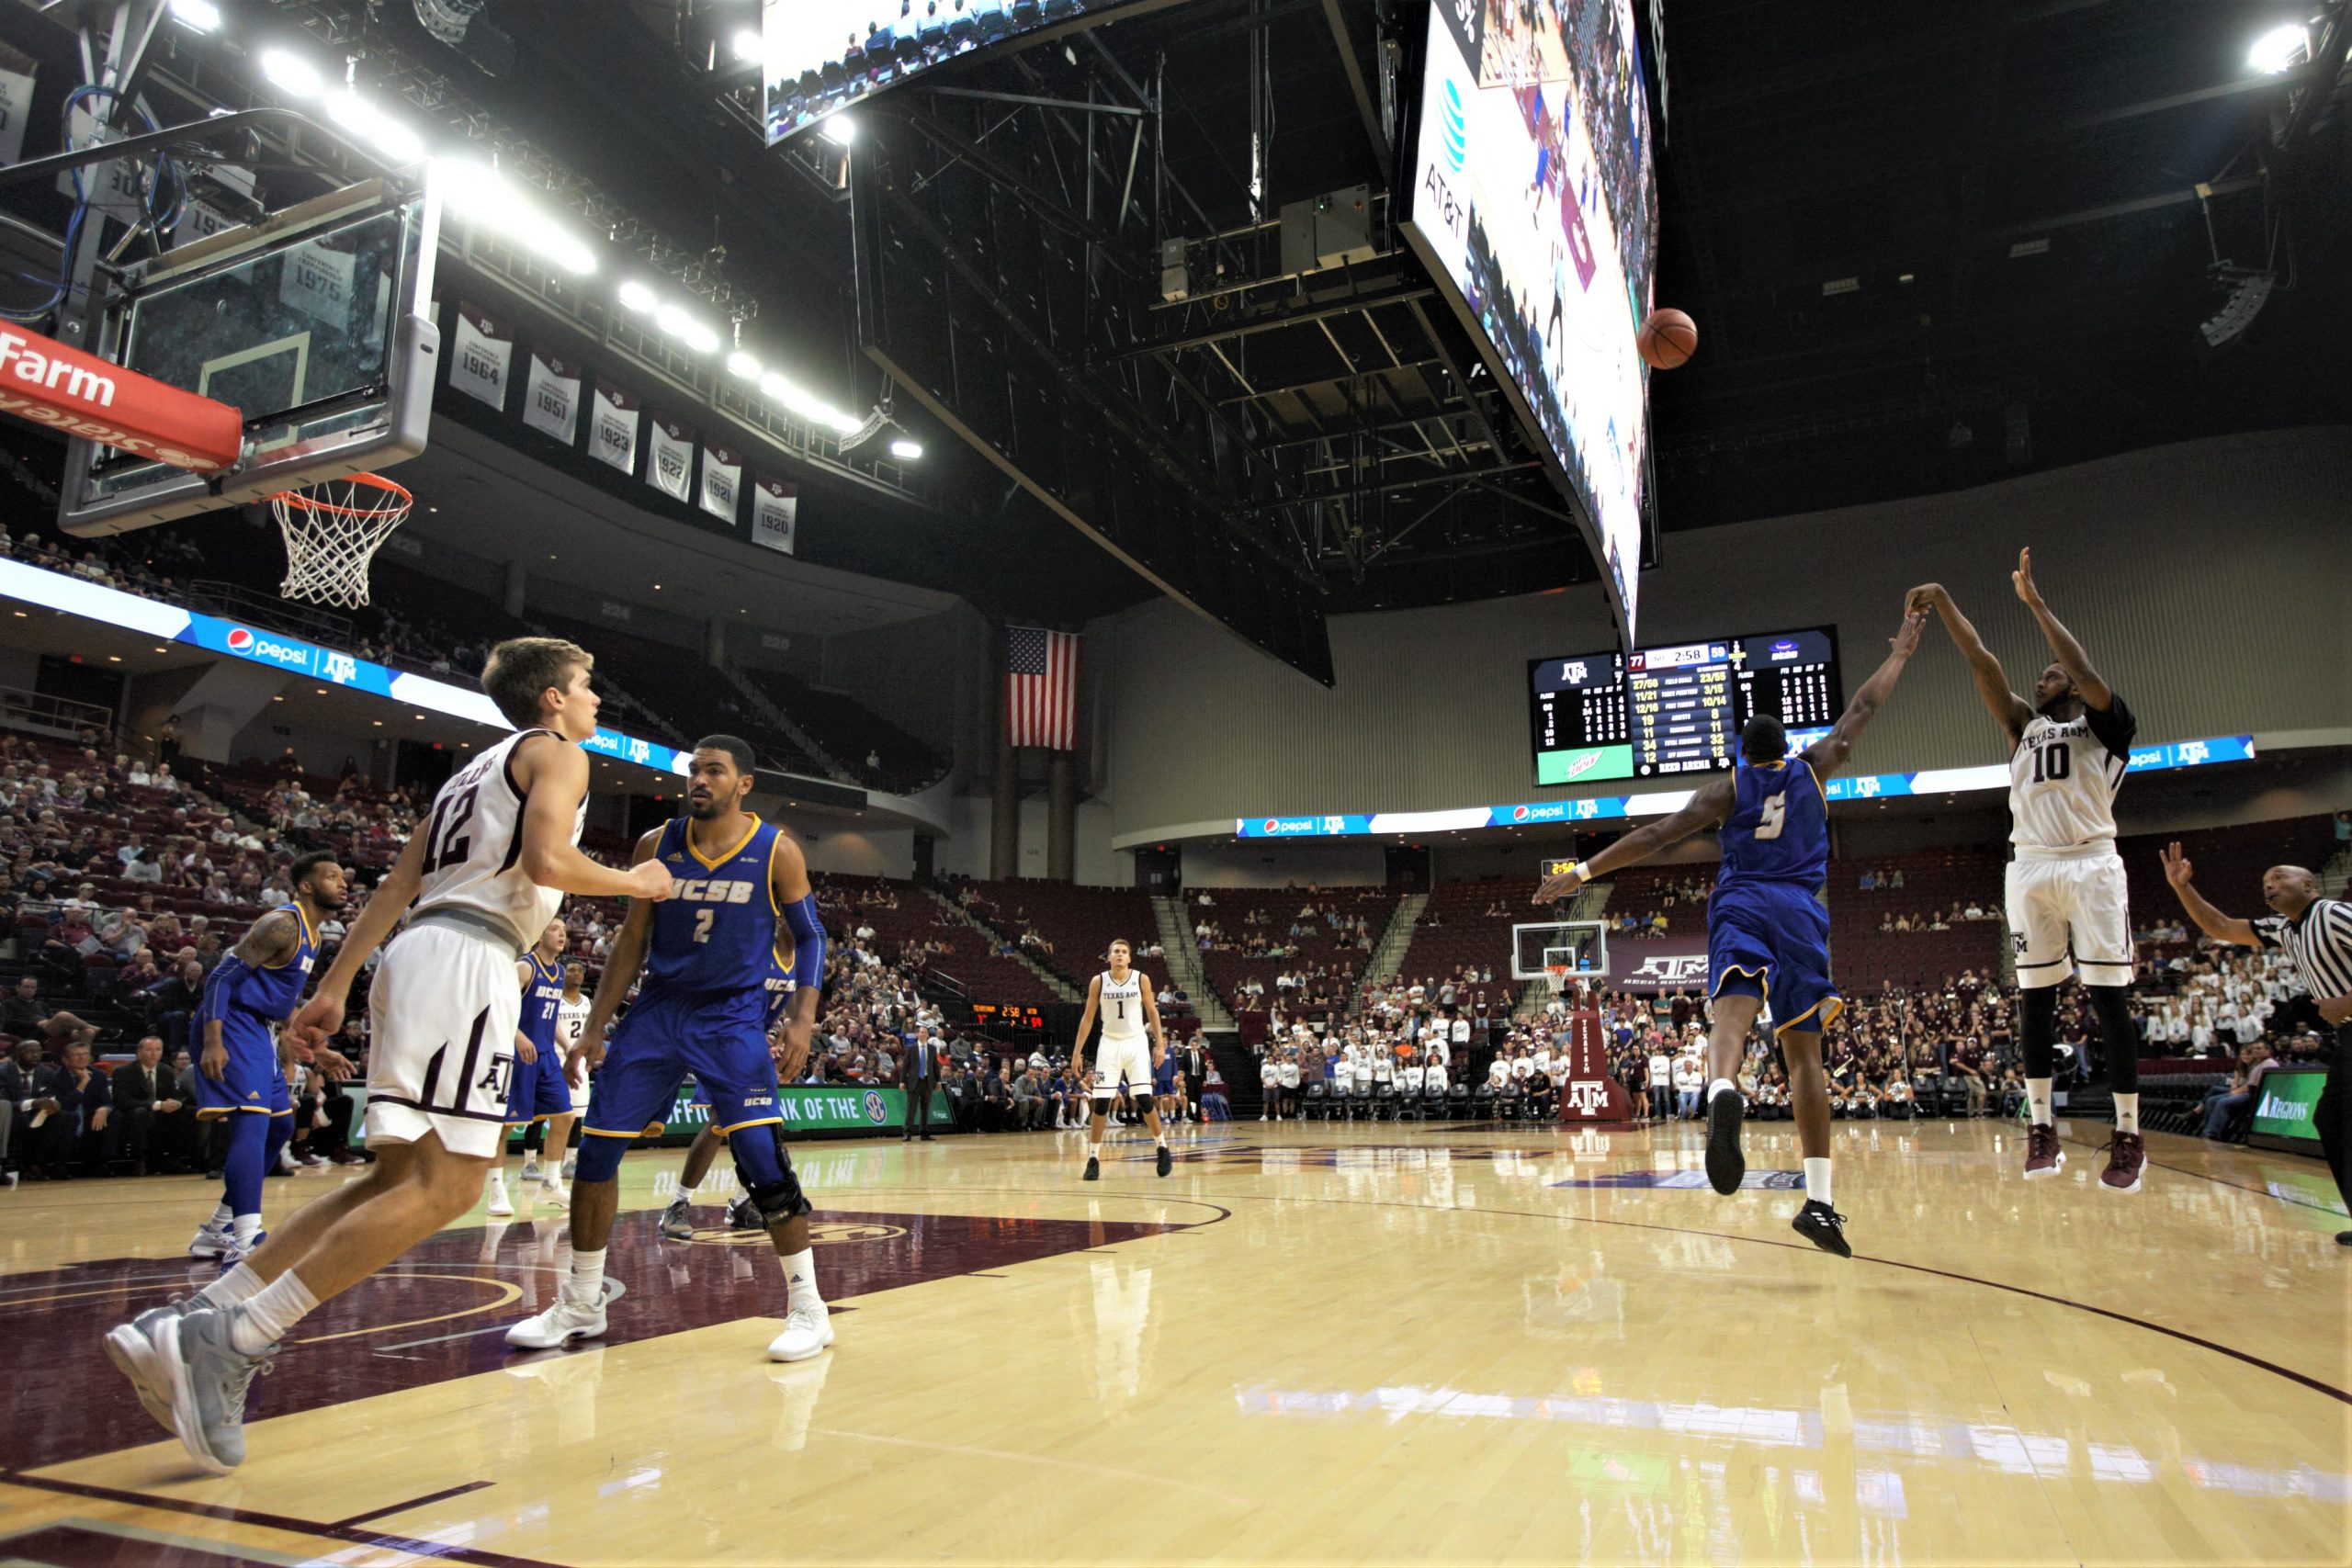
(1661, 713)
(310, 661)
(2159, 758)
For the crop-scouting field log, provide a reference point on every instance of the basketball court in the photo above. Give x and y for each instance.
(1416, 1343)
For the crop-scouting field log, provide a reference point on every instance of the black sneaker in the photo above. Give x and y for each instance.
(1726, 1164)
(1094, 1168)
(1167, 1161)
(1824, 1227)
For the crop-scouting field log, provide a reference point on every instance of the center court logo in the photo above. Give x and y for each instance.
(1454, 128)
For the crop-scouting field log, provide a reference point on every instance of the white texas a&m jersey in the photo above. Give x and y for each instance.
(1122, 1006)
(2062, 779)
(473, 847)
(571, 1021)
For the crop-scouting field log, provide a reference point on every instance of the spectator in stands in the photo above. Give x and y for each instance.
(23, 1013)
(1970, 1064)
(1689, 1079)
(1029, 1103)
(2224, 1103)
(22, 1096)
(74, 1137)
(155, 1121)
(1661, 1078)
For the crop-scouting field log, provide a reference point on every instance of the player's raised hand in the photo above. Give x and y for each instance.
(2177, 871)
(1557, 886)
(650, 879)
(1927, 596)
(1905, 641)
(2023, 578)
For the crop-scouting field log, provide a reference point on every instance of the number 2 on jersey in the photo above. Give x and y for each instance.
(1772, 818)
(703, 919)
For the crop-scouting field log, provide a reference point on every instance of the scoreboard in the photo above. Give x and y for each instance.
(1662, 712)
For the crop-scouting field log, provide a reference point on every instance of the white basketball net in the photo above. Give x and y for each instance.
(331, 530)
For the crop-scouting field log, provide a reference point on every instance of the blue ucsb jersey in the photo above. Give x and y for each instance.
(542, 999)
(718, 932)
(1778, 828)
(269, 993)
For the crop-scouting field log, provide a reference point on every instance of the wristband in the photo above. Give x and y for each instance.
(1581, 871)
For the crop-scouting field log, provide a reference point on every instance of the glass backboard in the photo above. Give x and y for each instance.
(316, 325)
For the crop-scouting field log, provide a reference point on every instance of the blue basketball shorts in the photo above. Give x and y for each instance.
(719, 1038)
(538, 1089)
(254, 1080)
(1771, 940)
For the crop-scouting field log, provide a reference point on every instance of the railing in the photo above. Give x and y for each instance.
(46, 715)
(234, 601)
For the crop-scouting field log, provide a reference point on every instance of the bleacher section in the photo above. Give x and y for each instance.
(1324, 954)
(851, 733)
(903, 914)
(1458, 930)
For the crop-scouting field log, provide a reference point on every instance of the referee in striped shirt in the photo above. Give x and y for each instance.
(2316, 933)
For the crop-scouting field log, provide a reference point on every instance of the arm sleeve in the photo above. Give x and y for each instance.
(808, 941)
(2115, 727)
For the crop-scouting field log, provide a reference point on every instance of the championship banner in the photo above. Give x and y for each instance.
(551, 397)
(483, 354)
(722, 482)
(670, 468)
(776, 514)
(1663, 966)
(612, 426)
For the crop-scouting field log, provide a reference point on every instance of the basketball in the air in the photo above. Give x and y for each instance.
(1667, 339)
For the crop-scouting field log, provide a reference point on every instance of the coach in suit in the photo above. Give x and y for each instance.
(1193, 1062)
(154, 1120)
(21, 1096)
(918, 1072)
(75, 1133)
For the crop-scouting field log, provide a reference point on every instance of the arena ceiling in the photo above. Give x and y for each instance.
(1928, 246)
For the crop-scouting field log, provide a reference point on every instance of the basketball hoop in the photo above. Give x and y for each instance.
(1555, 976)
(331, 530)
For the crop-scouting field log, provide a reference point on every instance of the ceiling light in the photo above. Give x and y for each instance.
(845, 424)
(483, 196)
(2281, 49)
(113, 658)
(838, 128)
(748, 45)
(201, 15)
(637, 295)
(687, 328)
(744, 365)
(291, 73)
(372, 125)
(908, 450)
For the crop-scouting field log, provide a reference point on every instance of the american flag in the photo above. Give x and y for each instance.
(1041, 687)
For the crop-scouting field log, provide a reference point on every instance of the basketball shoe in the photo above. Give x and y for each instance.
(1822, 1225)
(2042, 1154)
(1726, 1166)
(2127, 1156)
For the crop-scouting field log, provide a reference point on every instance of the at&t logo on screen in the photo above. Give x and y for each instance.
(1454, 128)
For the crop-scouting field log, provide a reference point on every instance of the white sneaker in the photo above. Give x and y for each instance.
(210, 1241)
(241, 1248)
(563, 1322)
(531, 1169)
(808, 1329)
(551, 1191)
(499, 1207)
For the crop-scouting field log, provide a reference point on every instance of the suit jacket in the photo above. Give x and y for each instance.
(18, 1084)
(920, 1062)
(1195, 1064)
(74, 1101)
(130, 1090)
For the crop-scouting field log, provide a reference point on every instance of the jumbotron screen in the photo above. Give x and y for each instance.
(1533, 192)
(823, 55)
(1660, 712)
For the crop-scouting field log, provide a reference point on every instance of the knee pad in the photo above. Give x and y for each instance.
(600, 1158)
(767, 1174)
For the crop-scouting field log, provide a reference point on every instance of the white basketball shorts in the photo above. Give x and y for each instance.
(444, 1008)
(2067, 915)
(1129, 1058)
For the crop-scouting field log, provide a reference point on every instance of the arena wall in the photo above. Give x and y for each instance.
(2207, 578)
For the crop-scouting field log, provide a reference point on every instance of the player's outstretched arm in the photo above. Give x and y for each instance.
(2069, 653)
(796, 903)
(322, 1014)
(2211, 922)
(1709, 804)
(553, 777)
(1151, 1017)
(2011, 712)
(1829, 754)
(1086, 1027)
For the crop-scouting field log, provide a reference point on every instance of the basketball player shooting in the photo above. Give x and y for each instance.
(2069, 750)
(485, 871)
(1768, 928)
(1122, 995)
(707, 954)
